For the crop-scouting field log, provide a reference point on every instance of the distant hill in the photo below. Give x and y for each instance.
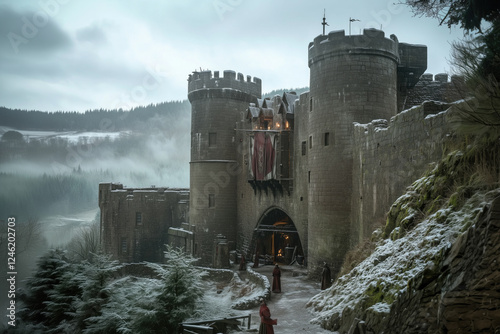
(93, 120)
(281, 91)
(101, 119)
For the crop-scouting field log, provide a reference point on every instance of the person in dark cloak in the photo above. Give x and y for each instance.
(276, 279)
(243, 265)
(256, 261)
(326, 277)
(266, 323)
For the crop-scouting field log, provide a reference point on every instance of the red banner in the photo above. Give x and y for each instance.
(263, 156)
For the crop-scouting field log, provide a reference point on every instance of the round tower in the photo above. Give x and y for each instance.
(216, 106)
(352, 79)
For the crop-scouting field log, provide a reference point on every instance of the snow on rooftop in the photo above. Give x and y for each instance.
(437, 114)
(180, 230)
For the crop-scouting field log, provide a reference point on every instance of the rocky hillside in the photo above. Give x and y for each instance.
(436, 267)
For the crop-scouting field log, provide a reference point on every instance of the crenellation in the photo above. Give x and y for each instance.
(204, 80)
(441, 77)
(436, 88)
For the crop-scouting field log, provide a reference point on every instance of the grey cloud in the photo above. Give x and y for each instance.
(30, 32)
(93, 34)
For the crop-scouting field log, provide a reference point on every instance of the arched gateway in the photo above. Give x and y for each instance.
(276, 240)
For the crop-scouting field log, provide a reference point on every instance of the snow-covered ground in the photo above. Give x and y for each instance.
(71, 136)
(289, 306)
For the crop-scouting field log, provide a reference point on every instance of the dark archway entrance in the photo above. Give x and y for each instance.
(276, 239)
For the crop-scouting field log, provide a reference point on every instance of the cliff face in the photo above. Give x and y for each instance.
(436, 266)
(461, 292)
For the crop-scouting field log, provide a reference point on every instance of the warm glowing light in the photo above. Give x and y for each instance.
(277, 124)
(286, 125)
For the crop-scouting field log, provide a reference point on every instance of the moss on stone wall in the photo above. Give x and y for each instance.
(449, 184)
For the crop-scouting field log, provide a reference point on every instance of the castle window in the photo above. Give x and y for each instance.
(327, 138)
(138, 218)
(311, 104)
(124, 245)
(211, 200)
(310, 142)
(212, 139)
(309, 176)
(304, 148)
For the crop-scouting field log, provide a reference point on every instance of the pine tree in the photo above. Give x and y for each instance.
(179, 296)
(95, 290)
(51, 270)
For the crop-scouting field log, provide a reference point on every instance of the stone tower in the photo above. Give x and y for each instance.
(352, 79)
(216, 106)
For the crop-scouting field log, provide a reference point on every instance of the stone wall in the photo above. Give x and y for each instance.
(255, 203)
(352, 79)
(135, 221)
(388, 157)
(217, 105)
(439, 87)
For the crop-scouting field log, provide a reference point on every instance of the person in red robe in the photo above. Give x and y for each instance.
(266, 323)
(276, 279)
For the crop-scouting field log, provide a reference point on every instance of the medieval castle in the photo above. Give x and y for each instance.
(292, 178)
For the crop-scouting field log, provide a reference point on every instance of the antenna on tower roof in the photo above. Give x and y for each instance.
(324, 21)
(351, 20)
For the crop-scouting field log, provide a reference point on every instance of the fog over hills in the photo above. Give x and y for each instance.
(57, 162)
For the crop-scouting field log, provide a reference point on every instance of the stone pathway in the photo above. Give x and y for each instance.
(289, 305)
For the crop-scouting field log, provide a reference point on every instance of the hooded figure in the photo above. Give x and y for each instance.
(276, 279)
(326, 277)
(266, 323)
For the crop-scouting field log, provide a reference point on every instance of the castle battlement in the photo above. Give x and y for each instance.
(336, 43)
(442, 78)
(229, 80)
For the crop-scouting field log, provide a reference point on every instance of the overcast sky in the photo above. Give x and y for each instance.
(77, 55)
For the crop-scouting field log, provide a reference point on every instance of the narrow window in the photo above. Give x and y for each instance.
(212, 139)
(124, 245)
(304, 148)
(138, 218)
(310, 142)
(327, 138)
(311, 104)
(309, 176)
(211, 200)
